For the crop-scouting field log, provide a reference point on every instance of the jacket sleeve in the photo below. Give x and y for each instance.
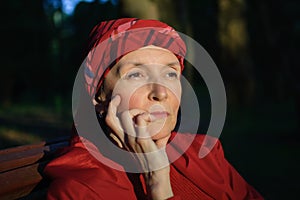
(69, 189)
(78, 175)
(175, 198)
(211, 173)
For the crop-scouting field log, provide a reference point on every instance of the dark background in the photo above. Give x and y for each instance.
(255, 44)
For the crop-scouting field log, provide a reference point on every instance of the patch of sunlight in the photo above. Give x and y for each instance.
(18, 137)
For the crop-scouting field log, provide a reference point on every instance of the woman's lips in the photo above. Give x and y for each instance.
(158, 115)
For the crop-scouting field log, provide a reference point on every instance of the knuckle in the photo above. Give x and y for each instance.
(142, 142)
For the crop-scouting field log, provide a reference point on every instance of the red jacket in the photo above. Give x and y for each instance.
(78, 175)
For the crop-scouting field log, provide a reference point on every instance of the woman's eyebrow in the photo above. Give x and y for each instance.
(131, 63)
(174, 65)
(120, 65)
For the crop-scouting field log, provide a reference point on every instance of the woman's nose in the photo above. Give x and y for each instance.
(158, 92)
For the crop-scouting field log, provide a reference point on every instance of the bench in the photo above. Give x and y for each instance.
(21, 169)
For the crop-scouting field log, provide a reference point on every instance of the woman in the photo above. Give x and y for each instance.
(132, 76)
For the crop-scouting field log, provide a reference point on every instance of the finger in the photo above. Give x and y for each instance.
(127, 119)
(117, 140)
(143, 136)
(111, 117)
(142, 121)
(129, 135)
(112, 120)
(127, 123)
(156, 158)
(139, 141)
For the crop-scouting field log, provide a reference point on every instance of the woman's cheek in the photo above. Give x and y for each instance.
(123, 104)
(128, 93)
(128, 101)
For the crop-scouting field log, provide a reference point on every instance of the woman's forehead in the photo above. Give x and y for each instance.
(154, 47)
(149, 54)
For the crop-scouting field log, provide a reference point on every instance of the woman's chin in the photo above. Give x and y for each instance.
(161, 135)
(160, 129)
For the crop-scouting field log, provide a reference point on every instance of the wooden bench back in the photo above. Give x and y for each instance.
(21, 169)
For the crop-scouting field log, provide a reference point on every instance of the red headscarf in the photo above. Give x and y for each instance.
(110, 40)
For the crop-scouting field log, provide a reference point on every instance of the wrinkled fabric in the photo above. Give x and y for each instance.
(110, 40)
(78, 175)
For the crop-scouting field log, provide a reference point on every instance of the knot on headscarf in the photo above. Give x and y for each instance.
(111, 40)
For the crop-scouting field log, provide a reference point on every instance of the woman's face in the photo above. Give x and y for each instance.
(148, 79)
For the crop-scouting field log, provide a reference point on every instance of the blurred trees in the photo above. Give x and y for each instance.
(275, 38)
(252, 42)
(172, 12)
(235, 60)
(25, 37)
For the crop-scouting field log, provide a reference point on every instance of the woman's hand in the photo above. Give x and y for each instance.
(130, 133)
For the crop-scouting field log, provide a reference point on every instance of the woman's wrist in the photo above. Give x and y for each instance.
(161, 191)
(159, 184)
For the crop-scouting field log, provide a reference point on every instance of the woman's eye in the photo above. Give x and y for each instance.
(134, 75)
(172, 75)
